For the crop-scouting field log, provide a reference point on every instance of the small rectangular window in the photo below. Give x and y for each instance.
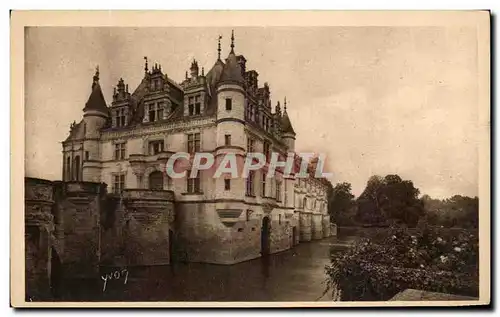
(86, 155)
(249, 184)
(119, 151)
(193, 184)
(229, 104)
(193, 143)
(156, 147)
(119, 183)
(227, 184)
(227, 139)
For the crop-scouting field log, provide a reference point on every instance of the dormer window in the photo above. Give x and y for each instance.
(159, 111)
(120, 118)
(154, 112)
(194, 105)
(191, 106)
(197, 105)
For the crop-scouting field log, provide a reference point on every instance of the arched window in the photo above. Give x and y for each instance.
(77, 168)
(304, 203)
(156, 180)
(67, 169)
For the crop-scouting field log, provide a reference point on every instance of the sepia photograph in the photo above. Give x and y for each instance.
(250, 159)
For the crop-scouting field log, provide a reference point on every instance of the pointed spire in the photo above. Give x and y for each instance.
(146, 64)
(277, 110)
(96, 77)
(96, 100)
(218, 49)
(186, 74)
(232, 41)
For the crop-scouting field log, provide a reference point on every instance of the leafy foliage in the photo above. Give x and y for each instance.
(425, 260)
(457, 211)
(389, 198)
(340, 204)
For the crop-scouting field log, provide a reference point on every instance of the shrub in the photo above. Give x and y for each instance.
(422, 259)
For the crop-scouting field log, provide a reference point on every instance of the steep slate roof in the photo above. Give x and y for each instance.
(286, 125)
(77, 132)
(96, 99)
(232, 70)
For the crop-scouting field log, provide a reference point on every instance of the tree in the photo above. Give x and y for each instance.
(390, 198)
(340, 204)
(369, 209)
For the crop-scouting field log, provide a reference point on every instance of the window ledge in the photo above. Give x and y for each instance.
(192, 194)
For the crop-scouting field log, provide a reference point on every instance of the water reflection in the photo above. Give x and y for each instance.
(293, 275)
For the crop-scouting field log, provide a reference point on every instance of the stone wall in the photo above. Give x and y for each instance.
(317, 226)
(199, 234)
(305, 226)
(148, 217)
(39, 226)
(80, 205)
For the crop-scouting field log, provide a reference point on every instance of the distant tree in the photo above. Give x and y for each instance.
(390, 198)
(340, 204)
(369, 209)
(456, 211)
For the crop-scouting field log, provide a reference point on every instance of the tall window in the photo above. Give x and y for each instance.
(156, 147)
(227, 139)
(159, 111)
(191, 105)
(197, 105)
(120, 151)
(229, 104)
(250, 145)
(193, 184)
(227, 184)
(264, 175)
(249, 183)
(152, 113)
(87, 155)
(68, 168)
(120, 117)
(193, 142)
(77, 168)
(286, 193)
(118, 183)
(267, 151)
(278, 191)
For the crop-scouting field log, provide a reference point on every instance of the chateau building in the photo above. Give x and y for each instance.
(144, 217)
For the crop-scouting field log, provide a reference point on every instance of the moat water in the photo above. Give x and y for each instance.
(293, 275)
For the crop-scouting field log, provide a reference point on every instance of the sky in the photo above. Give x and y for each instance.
(374, 100)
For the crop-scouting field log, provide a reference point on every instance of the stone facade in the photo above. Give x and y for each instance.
(117, 206)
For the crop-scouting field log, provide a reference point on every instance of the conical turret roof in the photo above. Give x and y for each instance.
(286, 125)
(96, 100)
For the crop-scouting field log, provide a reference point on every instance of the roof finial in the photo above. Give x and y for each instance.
(285, 104)
(96, 76)
(202, 71)
(218, 49)
(146, 64)
(232, 41)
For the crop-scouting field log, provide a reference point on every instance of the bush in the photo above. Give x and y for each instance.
(425, 259)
